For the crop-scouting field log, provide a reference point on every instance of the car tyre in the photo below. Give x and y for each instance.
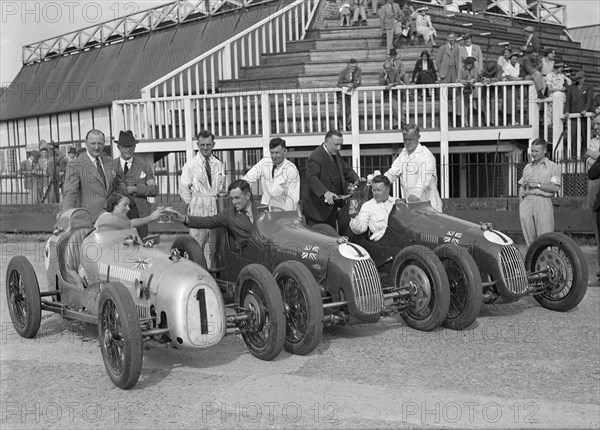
(303, 306)
(120, 335)
(23, 297)
(466, 291)
(260, 296)
(420, 269)
(569, 272)
(189, 248)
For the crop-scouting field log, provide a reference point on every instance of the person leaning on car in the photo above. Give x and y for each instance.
(540, 180)
(238, 218)
(373, 214)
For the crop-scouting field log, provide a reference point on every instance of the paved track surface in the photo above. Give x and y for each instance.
(518, 366)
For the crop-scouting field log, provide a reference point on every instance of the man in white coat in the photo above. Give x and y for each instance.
(202, 178)
(279, 177)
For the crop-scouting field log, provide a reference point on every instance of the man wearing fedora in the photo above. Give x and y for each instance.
(579, 100)
(134, 178)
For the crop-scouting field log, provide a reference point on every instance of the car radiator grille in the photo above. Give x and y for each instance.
(143, 311)
(367, 287)
(513, 270)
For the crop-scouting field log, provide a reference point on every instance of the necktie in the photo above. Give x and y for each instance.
(340, 170)
(249, 214)
(100, 170)
(126, 168)
(208, 172)
(273, 171)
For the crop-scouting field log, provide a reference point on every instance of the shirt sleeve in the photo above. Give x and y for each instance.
(293, 179)
(360, 223)
(395, 170)
(556, 175)
(254, 173)
(185, 182)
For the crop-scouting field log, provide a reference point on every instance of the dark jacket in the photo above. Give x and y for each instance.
(419, 69)
(323, 175)
(594, 173)
(237, 224)
(579, 98)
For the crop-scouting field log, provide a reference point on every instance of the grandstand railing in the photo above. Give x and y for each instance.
(123, 28)
(270, 35)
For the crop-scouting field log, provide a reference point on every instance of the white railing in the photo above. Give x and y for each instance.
(225, 61)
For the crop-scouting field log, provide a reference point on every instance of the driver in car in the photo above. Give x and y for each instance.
(238, 218)
(115, 217)
(374, 213)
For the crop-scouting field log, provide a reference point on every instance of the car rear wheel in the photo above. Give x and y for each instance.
(188, 247)
(303, 306)
(564, 261)
(260, 297)
(418, 269)
(23, 297)
(120, 335)
(466, 294)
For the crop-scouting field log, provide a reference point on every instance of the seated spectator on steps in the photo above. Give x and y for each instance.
(532, 67)
(504, 58)
(424, 26)
(360, 8)
(344, 9)
(548, 61)
(424, 72)
(397, 65)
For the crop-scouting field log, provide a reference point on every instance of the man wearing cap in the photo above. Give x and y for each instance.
(278, 176)
(135, 179)
(579, 100)
(540, 181)
(202, 178)
(447, 60)
(468, 49)
(532, 42)
(512, 69)
(468, 75)
(89, 179)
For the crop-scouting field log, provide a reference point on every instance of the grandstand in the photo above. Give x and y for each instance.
(269, 68)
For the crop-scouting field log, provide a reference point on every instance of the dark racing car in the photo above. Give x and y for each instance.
(482, 264)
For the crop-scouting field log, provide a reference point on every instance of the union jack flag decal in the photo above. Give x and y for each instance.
(310, 252)
(453, 237)
(141, 263)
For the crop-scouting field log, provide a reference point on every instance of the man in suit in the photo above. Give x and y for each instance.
(447, 61)
(327, 177)
(579, 99)
(237, 218)
(135, 179)
(532, 42)
(28, 170)
(468, 49)
(389, 14)
(89, 179)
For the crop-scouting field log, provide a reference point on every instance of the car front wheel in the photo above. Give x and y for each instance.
(23, 297)
(259, 296)
(563, 260)
(120, 335)
(188, 247)
(417, 269)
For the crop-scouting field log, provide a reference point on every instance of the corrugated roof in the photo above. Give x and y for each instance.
(589, 36)
(115, 72)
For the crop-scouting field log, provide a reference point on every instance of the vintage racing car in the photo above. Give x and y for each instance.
(132, 291)
(482, 264)
(323, 278)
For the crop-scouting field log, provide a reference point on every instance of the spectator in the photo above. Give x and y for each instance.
(596, 104)
(504, 59)
(424, 71)
(237, 218)
(492, 73)
(28, 171)
(593, 166)
(397, 65)
(468, 49)
(360, 9)
(117, 216)
(447, 60)
(349, 79)
(407, 27)
(416, 168)
(579, 98)
(135, 179)
(344, 9)
(389, 78)
(278, 176)
(556, 82)
(89, 179)
(389, 14)
(374, 213)
(540, 181)
(424, 27)
(548, 61)
(532, 66)
(468, 76)
(327, 176)
(201, 179)
(532, 42)
(512, 70)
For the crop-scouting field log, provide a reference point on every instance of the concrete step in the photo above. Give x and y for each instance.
(410, 53)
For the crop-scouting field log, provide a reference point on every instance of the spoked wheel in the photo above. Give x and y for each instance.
(23, 297)
(419, 270)
(188, 247)
(466, 294)
(563, 260)
(260, 297)
(303, 306)
(120, 335)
